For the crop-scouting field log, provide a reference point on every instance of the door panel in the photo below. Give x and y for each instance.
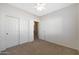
(12, 31)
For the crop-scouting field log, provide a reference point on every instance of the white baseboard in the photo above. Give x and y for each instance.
(64, 45)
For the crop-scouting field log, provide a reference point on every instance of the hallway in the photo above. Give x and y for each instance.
(40, 47)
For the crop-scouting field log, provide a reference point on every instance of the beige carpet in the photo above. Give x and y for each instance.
(40, 47)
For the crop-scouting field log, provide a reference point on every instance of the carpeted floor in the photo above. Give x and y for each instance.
(40, 47)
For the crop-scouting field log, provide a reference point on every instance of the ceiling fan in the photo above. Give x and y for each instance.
(40, 6)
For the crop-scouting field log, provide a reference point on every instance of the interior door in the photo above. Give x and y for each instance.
(12, 31)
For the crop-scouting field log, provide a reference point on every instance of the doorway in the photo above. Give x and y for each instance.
(36, 30)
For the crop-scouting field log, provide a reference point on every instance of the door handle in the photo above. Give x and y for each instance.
(6, 33)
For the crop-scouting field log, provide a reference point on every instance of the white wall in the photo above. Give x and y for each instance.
(60, 27)
(26, 24)
(78, 26)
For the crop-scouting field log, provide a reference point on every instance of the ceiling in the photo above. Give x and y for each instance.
(49, 7)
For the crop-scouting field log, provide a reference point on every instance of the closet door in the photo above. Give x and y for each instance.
(12, 31)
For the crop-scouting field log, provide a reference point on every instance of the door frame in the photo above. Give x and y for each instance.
(37, 29)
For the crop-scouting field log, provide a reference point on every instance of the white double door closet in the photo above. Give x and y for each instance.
(14, 31)
(9, 32)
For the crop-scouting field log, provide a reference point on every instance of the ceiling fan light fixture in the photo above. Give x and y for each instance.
(40, 6)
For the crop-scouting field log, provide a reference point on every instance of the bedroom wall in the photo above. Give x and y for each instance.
(26, 24)
(60, 27)
(78, 26)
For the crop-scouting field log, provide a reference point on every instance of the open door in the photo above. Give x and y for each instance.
(36, 30)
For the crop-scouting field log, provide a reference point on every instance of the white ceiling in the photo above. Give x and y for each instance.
(50, 7)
